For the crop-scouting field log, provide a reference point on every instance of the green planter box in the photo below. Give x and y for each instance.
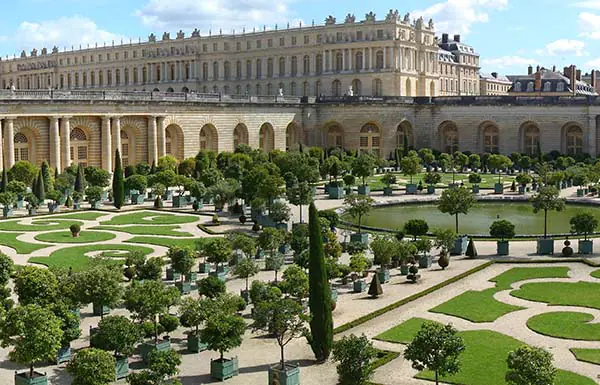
(364, 190)
(7, 212)
(430, 190)
(288, 376)
(20, 203)
(521, 190)
(388, 191)
(245, 294)
(336, 192)
(411, 189)
(95, 205)
(194, 344)
(173, 275)
(425, 261)
(147, 347)
(545, 246)
(222, 276)
(334, 294)
(360, 285)
(475, 189)
(404, 269)
(53, 208)
(384, 275)
(223, 269)
(37, 379)
(284, 249)
(224, 369)
(586, 247)
(502, 247)
(179, 201)
(100, 310)
(184, 287)
(168, 195)
(191, 277)
(137, 199)
(360, 237)
(460, 246)
(63, 355)
(204, 267)
(580, 192)
(121, 367)
(498, 188)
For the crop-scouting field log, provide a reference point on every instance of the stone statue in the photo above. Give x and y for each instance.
(350, 91)
(34, 52)
(23, 53)
(166, 36)
(370, 17)
(392, 16)
(281, 92)
(196, 33)
(419, 23)
(152, 38)
(44, 51)
(430, 23)
(350, 19)
(55, 49)
(330, 20)
(180, 34)
(407, 17)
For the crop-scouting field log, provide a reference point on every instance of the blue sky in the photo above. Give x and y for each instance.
(508, 34)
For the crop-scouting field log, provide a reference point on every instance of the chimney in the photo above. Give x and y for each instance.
(537, 69)
(457, 38)
(495, 75)
(553, 68)
(578, 74)
(572, 79)
(444, 37)
(594, 80)
(530, 70)
(538, 81)
(567, 72)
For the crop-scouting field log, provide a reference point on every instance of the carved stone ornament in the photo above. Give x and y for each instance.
(407, 17)
(180, 34)
(23, 53)
(392, 16)
(55, 49)
(34, 52)
(196, 33)
(166, 36)
(350, 19)
(44, 51)
(330, 20)
(370, 17)
(152, 38)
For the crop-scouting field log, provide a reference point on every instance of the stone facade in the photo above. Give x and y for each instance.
(393, 56)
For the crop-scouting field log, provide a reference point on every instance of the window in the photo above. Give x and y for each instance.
(403, 131)
(226, 70)
(125, 149)
(248, 69)
(306, 39)
(240, 135)
(225, 46)
(294, 65)
(281, 66)
(258, 44)
(204, 47)
(135, 54)
(79, 147)
(358, 61)
(531, 139)
(378, 87)
(21, 147)
(319, 66)
(450, 138)
(339, 61)
(108, 57)
(215, 47)
(574, 140)
(281, 41)
(208, 138)
(266, 138)
(319, 38)
(491, 140)
(359, 35)
(238, 46)
(204, 72)
(248, 45)
(168, 143)
(380, 33)
(270, 67)
(338, 36)
(306, 65)
(258, 68)
(336, 88)
(335, 136)
(270, 43)
(560, 87)
(530, 87)
(293, 89)
(356, 87)
(547, 87)
(215, 70)
(370, 139)
(238, 70)
(379, 60)
(518, 86)
(294, 40)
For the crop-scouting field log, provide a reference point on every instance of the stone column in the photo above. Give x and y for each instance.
(161, 136)
(116, 136)
(106, 145)
(152, 140)
(1, 149)
(9, 140)
(54, 143)
(65, 136)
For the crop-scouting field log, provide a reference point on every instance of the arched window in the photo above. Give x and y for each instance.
(21, 147)
(258, 68)
(226, 70)
(530, 87)
(291, 136)
(144, 75)
(238, 70)
(125, 148)
(318, 88)
(560, 87)
(238, 90)
(204, 71)
(319, 66)
(209, 138)
(306, 66)
(356, 87)
(79, 147)
(258, 90)
(172, 71)
(266, 138)
(136, 76)
(240, 135)
(574, 140)
(281, 67)
(358, 61)
(377, 87)
(547, 87)
(339, 61)
(125, 76)
(379, 60)
(531, 139)
(450, 139)
(409, 87)
(404, 130)
(336, 88)
(293, 89)
(305, 89)
(432, 88)
(168, 143)
(270, 67)
(491, 139)
(269, 89)
(215, 70)
(294, 65)
(93, 79)
(370, 139)
(335, 136)
(248, 69)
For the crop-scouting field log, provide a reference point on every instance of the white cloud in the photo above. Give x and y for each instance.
(592, 64)
(63, 32)
(507, 62)
(457, 16)
(225, 14)
(589, 24)
(591, 4)
(563, 47)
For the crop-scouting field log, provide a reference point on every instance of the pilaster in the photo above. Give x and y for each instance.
(9, 142)
(116, 136)
(54, 143)
(65, 136)
(106, 143)
(152, 140)
(161, 136)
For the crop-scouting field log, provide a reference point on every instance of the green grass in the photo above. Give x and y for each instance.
(587, 355)
(595, 274)
(150, 218)
(10, 240)
(85, 236)
(84, 216)
(584, 294)
(481, 306)
(165, 230)
(76, 257)
(487, 180)
(38, 225)
(166, 242)
(484, 360)
(568, 325)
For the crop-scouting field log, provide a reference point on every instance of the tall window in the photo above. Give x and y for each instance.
(281, 66)
(204, 71)
(168, 143)
(248, 69)
(21, 147)
(79, 147)
(404, 130)
(240, 135)
(531, 139)
(339, 61)
(574, 140)
(208, 138)
(358, 61)
(335, 136)
(319, 66)
(125, 159)
(291, 136)
(258, 68)
(306, 69)
(450, 139)
(226, 70)
(215, 70)
(379, 60)
(267, 138)
(305, 89)
(370, 139)
(377, 87)
(491, 140)
(336, 88)
(270, 67)
(238, 70)
(294, 66)
(356, 87)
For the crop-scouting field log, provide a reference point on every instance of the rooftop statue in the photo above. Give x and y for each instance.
(166, 36)
(152, 38)
(370, 16)
(196, 33)
(350, 19)
(330, 20)
(180, 34)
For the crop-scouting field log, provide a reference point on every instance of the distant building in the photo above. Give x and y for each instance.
(459, 67)
(546, 82)
(494, 84)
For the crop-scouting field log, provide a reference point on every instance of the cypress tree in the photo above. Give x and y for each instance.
(118, 185)
(539, 152)
(46, 176)
(321, 323)
(56, 174)
(4, 185)
(153, 168)
(40, 189)
(80, 179)
(405, 145)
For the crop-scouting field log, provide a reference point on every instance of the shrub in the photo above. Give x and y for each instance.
(416, 227)
(169, 322)
(502, 229)
(211, 287)
(148, 329)
(255, 227)
(242, 219)
(75, 228)
(215, 220)
(474, 178)
(331, 215)
(432, 178)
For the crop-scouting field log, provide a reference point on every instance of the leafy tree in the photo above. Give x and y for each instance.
(245, 269)
(321, 323)
(530, 366)
(118, 335)
(162, 365)
(211, 287)
(242, 242)
(299, 194)
(143, 168)
(474, 161)
(151, 269)
(388, 179)
(7, 267)
(187, 167)
(523, 179)
(23, 171)
(118, 185)
(94, 194)
(34, 332)
(7, 199)
(280, 212)
(69, 323)
(275, 262)
(584, 223)
(34, 285)
(223, 331)
(444, 240)
(102, 286)
(284, 318)
(416, 228)
(167, 162)
(411, 165)
(218, 251)
(383, 249)
(436, 347)
(182, 259)
(92, 367)
(17, 187)
(456, 201)
(502, 229)
(499, 162)
(547, 199)
(354, 356)
(358, 207)
(295, 282)
(136, 182)
(270, 239)
(359, 263)
(474, 178)
(363, 166)
(96, 176)
(432, 178)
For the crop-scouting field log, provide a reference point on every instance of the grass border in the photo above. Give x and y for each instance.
(582, 360)
(368, 317)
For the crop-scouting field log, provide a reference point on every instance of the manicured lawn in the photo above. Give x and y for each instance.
(480, 306)
(76, 257)
(83, 216)
(585, 294)
(38, 225)
(568, 325)
(10, 240)
(166, 242)
(487, 180)
(85, 236)
(403, 333)
(484, 360)
(595, 274)
(165, 230)
(587, 355)
(150, 218)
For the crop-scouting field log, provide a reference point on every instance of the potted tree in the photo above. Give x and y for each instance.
(211, 287)
(383, 249)
(35, 334)
(475, 179)
(388, 180)
(445, 240)
(423, 246)
(280, 214)
(586, 224)
(92, 366)
(359, 206)
(53, 205)
(7, 200)
(102, 287)
(457, 201)
(362, 167)
(193, 313)
(349, 181)
(32, 203)
(94, 196)
(416, 228)
(523, 180)
(222, 332)
(147, 301)
(182, 261)
(546, 199)
(19, 189)
(411, 165)
(245, 269)
(136, 185)
(119, 335)
(219, 251)
(70, 327)
(503, 230)
(358, 264)
(432, 179)
(406, 252)
(77, 197)
(499, 163)
(285, 320)
(334, 168)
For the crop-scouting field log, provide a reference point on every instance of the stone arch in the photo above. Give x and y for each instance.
(80, 146)
(30, 128)
(292, 136)
(185, 90)
(370, 138)
(240, 135)
(170, 89)
(572, 142)
(529, 134)
(489, 137)
(266, 137)
(209, 138)
(174, 141)
(404, 129)
(449, 137)
(335, 135)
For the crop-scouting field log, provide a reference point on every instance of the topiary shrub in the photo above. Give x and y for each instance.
(196, 206)
(215, 220)
(148, 329)
(256, 227)
(169, 322)
(243, 219)
(158, 203)
(75, 229)
(444, 261)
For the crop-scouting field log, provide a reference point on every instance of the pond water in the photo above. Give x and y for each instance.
(479, 219)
